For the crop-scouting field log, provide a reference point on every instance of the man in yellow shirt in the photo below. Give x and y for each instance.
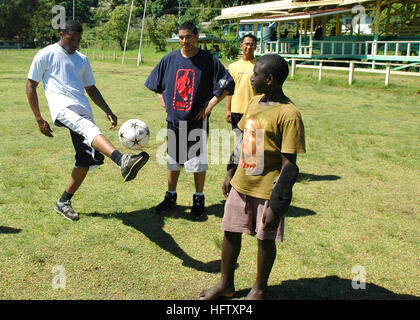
(241, 71)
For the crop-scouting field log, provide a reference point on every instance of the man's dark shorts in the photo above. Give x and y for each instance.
(85, 155)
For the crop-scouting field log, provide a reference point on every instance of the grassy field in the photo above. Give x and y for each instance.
(354, 204)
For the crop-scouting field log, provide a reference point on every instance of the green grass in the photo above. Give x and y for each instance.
(356, 201)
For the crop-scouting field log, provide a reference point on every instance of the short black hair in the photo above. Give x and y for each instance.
(72, 25)
(249, 35)
(275, 65)
(188, 26)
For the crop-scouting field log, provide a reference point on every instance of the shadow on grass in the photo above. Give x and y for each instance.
(315, 177)
(4, 229)
(328, 288)
(151, 225)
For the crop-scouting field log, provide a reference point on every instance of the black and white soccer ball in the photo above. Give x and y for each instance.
(134, 134)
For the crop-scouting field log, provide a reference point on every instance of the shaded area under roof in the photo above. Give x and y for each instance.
(297, 16)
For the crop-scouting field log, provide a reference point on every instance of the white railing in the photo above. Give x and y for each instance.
(277, 47)
(400, 49)
(340, 48)
(405, 50)
(322, 65)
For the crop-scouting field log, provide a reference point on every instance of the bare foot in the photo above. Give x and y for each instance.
(217, 291)
(255, 294)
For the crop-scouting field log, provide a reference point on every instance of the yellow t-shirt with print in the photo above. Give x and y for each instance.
(241, 71)
(268, 131)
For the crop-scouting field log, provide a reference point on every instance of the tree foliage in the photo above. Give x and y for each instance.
(116, 27)
(159, 29)
(30, 20)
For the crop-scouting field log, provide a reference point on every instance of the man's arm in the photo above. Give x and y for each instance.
(212, 103)
(233, 163)
(281, 195)
(32, 96)
(97, 98)
(161, 100)
(228, 115)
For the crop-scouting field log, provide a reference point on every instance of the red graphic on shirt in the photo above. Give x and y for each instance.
(184, 89)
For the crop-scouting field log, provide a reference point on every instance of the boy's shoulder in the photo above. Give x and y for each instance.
(50, 49)
(284, 111)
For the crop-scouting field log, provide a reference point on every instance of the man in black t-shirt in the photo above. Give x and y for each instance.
(189, 83)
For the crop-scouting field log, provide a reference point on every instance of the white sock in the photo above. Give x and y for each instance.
(199, 194)
(172, 192)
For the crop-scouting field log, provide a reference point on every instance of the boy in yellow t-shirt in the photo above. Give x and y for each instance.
(273, 133)
(241, 71)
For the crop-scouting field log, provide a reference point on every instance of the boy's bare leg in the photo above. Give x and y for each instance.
(230, 252)
(199, 179)
(173, 180)
(76, 179)
(266, 258)
(103, 145)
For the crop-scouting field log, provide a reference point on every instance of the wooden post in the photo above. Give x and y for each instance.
(337, 24)
(387, 75)
(320, 71)
(237, 29)
(351, 73)
(378, 16)
(278, 25)
(312, 26)
(293, 67)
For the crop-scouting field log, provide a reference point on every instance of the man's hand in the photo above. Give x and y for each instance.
(228, 116)
(270, 220)
(161, 101)
(203, 113)
(226, 187)
(113, 119)
(44, 127)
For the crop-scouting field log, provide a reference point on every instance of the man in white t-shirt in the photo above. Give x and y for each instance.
(66, 74)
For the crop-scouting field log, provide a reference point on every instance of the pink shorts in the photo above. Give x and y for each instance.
(243, 214)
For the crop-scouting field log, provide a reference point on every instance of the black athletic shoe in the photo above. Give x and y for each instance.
(131, 164)
(167, 204)
(66, 210)
(197, 210)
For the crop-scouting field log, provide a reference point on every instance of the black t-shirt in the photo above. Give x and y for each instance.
(188, 84)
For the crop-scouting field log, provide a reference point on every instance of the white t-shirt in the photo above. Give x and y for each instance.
(64, 77)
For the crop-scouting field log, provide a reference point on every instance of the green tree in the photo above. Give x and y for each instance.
(159, 29)
(230, 49)
(116, 27)
(15, 18)
(83, 12)
(42, 32)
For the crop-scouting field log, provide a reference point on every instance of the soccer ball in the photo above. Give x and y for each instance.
(134, 134)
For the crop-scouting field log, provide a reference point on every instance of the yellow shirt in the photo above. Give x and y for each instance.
(268, 131)
(241, 71)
